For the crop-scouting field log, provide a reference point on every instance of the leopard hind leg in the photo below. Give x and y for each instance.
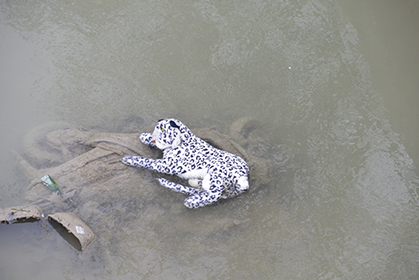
(212, 191)
(197, 183)
(178, 188)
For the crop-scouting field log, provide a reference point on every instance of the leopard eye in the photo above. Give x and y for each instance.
(162, 129)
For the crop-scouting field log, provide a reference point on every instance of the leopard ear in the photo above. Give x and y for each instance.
(173, 124)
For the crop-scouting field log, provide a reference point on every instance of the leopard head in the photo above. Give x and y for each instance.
(168, 133)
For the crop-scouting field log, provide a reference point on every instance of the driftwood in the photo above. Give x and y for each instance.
(100, 158)
(84, 163)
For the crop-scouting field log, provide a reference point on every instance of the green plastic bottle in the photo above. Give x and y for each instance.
(50, 184)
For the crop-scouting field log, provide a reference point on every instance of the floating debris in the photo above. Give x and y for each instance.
(76, 227)
(20, 213)
(50, 184)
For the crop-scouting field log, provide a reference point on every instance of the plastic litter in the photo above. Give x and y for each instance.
(50, 184)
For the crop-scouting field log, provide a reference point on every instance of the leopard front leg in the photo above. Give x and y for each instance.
(158, 165)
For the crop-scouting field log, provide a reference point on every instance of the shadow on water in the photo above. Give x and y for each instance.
(344, 199)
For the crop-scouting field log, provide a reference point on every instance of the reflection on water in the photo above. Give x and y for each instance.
(344, 202)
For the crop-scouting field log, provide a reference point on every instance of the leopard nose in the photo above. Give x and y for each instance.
(154, 141)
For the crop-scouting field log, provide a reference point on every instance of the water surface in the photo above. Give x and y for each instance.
(333, 96)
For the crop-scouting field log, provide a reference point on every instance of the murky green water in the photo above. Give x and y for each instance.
(334, 84)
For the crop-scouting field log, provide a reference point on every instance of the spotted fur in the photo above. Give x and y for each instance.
(213, 173)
